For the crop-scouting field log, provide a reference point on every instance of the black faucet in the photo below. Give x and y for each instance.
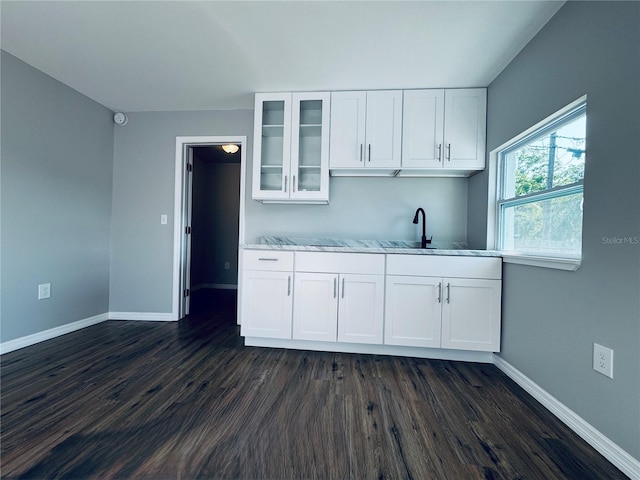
(425, 241)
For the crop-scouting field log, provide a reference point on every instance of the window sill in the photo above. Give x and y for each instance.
(569, 264)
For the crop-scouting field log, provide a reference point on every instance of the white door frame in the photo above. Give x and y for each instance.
(179, 217)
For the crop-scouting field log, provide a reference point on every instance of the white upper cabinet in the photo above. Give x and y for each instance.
(272, 146)
(310, 147)
(348, 120)
(384, 129)
(300, 138)
(291, 147)
(423, 128)
(444, 131)
(465, 125)
(366, 132)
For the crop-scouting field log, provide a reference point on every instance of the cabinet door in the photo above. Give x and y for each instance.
(360, 308)
(310, 146)
(413, 311)
(266, 304)
(471, 314)
(272, 146)
(315, 307)
(422, 128)
(384, 129)
(347, 134)
(465, 128)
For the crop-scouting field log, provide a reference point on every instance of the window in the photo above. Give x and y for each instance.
(540, 188)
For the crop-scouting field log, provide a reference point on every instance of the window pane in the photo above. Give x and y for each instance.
(547, 227)
(553, 159)
(569, 154)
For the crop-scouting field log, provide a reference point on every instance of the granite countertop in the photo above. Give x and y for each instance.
(365, 246)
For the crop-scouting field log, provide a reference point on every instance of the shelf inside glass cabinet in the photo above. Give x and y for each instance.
(310, 112)
(273, 112)
(309, 179)
(271, 177)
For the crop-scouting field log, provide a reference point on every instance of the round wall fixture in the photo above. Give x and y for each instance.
(120, 119)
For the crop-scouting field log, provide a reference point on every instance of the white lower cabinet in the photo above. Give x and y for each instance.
(443, 311)
(315, 307)
(471, 314)
(360, 308)
(339, 297)
(266, 290)
(432, 301)
(413, 311)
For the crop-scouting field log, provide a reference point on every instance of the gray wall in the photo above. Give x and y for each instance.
(144, 158)
(223, 226)
(216, 209)
(57, 162)
(551, 318)
(369, 208)
(143, 189)
(200, 268)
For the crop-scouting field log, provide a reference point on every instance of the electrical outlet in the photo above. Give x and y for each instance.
(163, 219)
(227, 265)
(603, 360)
(44, 291)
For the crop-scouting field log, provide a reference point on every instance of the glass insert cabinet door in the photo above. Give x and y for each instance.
(272, 145)
(310, 146)
(291, 151)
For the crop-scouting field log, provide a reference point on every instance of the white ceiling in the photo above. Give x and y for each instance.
(197, 55)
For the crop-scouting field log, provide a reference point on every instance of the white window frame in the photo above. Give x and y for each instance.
(493, 214)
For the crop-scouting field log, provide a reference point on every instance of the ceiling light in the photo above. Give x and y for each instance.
(231, 148)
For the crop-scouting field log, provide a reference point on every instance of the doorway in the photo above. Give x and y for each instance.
(208, 217)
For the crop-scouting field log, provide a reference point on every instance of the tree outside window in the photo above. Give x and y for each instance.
(540, 204)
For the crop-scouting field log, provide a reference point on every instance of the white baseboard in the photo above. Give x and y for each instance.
(22, 342)
(145, 316)
(218, 286)
(612, 452)
(420, 352)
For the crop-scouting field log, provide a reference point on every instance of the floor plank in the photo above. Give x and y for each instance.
(187, 400)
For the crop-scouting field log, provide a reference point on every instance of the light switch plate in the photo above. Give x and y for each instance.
(163, 219)
(44, 291)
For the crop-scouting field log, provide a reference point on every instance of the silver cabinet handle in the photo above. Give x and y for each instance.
(369, 153)
(361, 152)
(440, 292)
(343, 287)
(439, 151)
(449, 151)
(289, 286)
(294, 183)
(285, 183)
(448, 292)
(335, 286)
(265, 259)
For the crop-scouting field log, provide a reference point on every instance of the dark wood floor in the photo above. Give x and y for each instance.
(187, 400)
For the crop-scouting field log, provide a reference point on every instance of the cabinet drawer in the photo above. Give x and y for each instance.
(270, 260)
(364, 263)
(445, 266)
